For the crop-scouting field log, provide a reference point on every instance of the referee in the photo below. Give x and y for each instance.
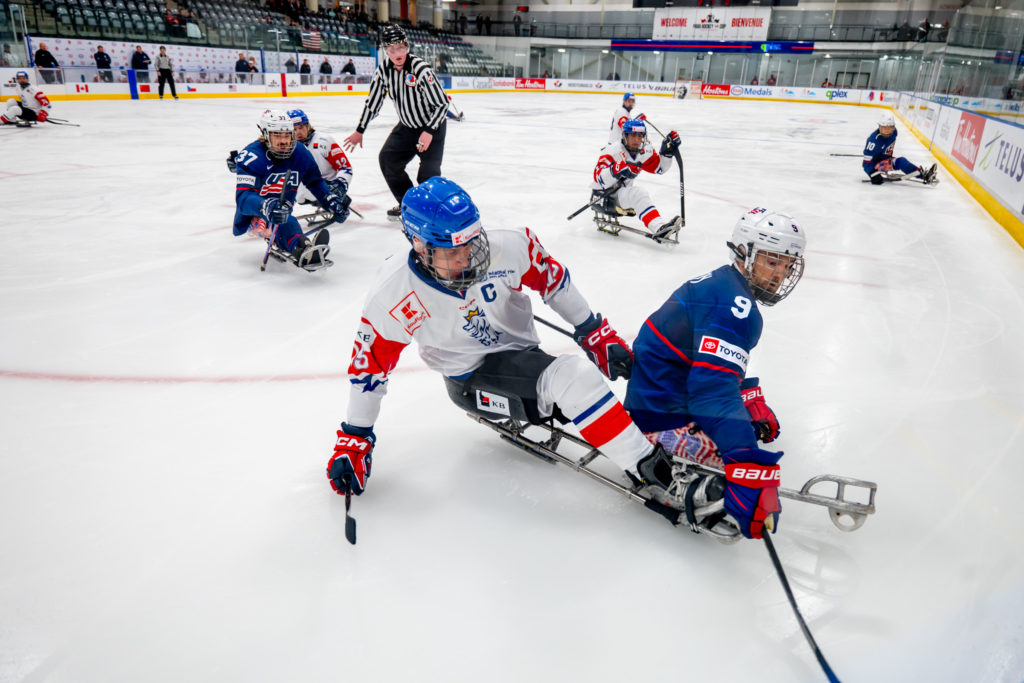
(421, 103)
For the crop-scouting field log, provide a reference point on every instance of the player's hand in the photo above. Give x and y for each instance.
(424, 142)
(338, 205)
(609, 352)
(641, 117)
(625, 173)
(351, 141)
(232, 164)
(350, 464)
(42, 116)
(273, 211)
(338, 186)
(670, 144)
(752, 490)
(876, 178)
(766, 424)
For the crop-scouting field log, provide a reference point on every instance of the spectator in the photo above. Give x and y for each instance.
(305, 70)
(922, 30)
(165, 73)
(826, 83)
(103, 64)
(904, 32)
(463, 23)
(8, 58)
(253, 70)
(45, 60)
(325, 71)
(546, 74)
(349, 68)
(479, 24)
(241, 67)
(487, 23)
(290, 66)
(771, 80)
(517, 24)
(140, 64)
(533, 27)
(944, 31)
(754, 81)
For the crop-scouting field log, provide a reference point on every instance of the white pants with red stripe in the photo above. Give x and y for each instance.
(635, 197)
(579, 389)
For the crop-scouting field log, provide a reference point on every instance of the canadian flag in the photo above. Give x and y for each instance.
(81, 87)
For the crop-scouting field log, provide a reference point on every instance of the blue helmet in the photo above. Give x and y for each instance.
(21, 74)
(634, 126)
(628, 96)
(298, 116)
(442, 216)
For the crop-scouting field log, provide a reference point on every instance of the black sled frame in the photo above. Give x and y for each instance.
(607, 220)
(846, 514)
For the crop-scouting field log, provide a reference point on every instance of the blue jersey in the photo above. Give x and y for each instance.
(691, 356)
(258, 177)
(878, 148)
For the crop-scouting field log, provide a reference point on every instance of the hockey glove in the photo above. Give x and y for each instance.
(274, 211)
(752, 489)
(232, 166)
(766, 425)
(42, 116)
(350, 464)
(625, 173)
(641, 117)
(605, 347)
(877, 178)
(338, 205)
(338, 186)
(670, 144)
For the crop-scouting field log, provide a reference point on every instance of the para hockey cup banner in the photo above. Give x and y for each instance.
(711, 23)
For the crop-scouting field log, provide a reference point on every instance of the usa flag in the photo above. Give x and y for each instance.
(311, 40)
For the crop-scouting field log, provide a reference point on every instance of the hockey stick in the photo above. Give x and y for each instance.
(682, 182)
(796, 610)
(350, 521)
(599, 197)
(833, 154)
(553, 326)
(61, 122)
(273, 232)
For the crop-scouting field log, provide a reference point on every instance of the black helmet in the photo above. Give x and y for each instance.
(392, 34)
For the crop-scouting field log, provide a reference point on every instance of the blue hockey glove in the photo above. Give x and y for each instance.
(232, 166)
(625, 173)
(273, 211)
(338, 186)
(350, 464)
(752, 489)
(670, 144)
(338, 205)
(609, 352)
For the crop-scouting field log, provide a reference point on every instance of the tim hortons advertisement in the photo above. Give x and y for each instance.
(529, 84)
(968, 139)
(711, 23)
(715, 90)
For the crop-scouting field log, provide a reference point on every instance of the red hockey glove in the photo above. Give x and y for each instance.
(766, 425)
(642, 117)
(42, 116)
(605, 347)
(752, 490)
(350, 464)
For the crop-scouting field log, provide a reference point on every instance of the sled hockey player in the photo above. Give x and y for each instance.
(617, 168)
(330, 158)
(622, 114)
(878, 156)
(689, 391)
(30, 105)
(273, 164)
(458, 293)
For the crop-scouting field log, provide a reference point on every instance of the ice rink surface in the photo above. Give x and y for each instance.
(168, 411)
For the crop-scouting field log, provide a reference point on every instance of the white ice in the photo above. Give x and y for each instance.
(168, 411)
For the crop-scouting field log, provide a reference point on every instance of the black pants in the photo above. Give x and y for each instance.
(398, 151)
(166, 76)
(508, 382)
(26, 113)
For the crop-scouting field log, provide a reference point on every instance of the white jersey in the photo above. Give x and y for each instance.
(616, 157)
(330, 159)
(620, 116)
(454, 331)
(33, 99)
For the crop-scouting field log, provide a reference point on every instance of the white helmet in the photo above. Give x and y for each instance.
(276, 121)
(768, 231)
(886, 119)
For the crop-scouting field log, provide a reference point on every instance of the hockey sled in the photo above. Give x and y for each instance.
(896, 176)
(845, 513)
(607, 216)
(319, 245)
(320, 218)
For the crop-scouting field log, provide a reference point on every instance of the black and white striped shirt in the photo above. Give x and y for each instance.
(419, 98)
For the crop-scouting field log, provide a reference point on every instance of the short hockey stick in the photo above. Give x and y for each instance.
(796, 610)
(833, 154)
(682, 181)
(273, 231)
(61, 122)
(553, 326)
(598, 198)
(350, 521)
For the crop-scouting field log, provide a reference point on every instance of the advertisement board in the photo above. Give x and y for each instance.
(711, 23)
